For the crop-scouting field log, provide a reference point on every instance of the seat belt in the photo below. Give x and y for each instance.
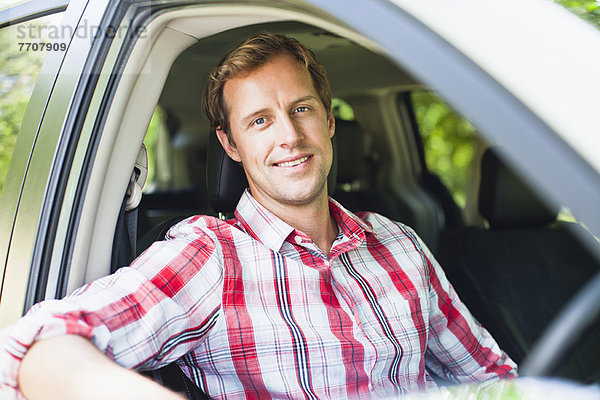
(125, 240)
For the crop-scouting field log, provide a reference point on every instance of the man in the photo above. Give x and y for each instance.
(293, 298)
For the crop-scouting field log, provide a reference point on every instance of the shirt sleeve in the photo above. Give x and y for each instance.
(459, 348)
(144, 316)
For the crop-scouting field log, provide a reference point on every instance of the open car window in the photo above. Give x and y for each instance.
(23, 49)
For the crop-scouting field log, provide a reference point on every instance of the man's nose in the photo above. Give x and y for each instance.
(290, 132)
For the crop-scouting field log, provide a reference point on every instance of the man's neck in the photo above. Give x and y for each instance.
(314, 219)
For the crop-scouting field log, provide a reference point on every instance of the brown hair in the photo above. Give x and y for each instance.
(250, 55)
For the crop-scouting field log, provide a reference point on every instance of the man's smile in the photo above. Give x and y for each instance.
(293, 163)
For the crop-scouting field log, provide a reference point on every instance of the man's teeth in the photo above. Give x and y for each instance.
(292, 163)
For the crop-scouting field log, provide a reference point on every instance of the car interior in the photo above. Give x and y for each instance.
(510, 259)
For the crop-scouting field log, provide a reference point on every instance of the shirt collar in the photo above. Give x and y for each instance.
(350, 224)
(261, 223)
(270, 230)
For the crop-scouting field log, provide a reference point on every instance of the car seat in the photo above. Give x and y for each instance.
(517, 274)
(354, 188)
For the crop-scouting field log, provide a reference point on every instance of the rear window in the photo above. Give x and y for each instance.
(450, 143)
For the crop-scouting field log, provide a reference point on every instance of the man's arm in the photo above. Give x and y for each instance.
(135, 317)
(81, 372)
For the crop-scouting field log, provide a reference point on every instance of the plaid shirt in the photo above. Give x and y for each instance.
(251, 307)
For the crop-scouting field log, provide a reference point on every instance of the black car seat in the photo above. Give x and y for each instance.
(517, 274)
(354, 188)
(358, 170)
(453, 216)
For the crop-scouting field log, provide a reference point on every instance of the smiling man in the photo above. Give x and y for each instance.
(295, 297)
(280, 130)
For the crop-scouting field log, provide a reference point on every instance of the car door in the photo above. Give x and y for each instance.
(38, 199)
(23, 53)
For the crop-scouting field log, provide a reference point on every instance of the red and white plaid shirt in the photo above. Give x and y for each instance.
(250, 307)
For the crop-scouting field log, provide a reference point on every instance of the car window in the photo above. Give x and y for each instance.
(342, 110)
(156, 128)
(451, 145)
(453, 148)
(171, 149)
(23, 48)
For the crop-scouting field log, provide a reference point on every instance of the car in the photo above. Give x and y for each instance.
(113, 142)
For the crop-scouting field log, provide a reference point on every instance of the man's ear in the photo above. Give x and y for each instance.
(331, 122)
(229, 147)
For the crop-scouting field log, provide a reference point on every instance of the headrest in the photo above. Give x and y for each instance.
(226, 180)
(350, 139)
(506, 201)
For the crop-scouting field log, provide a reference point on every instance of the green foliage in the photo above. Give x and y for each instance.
(342, 110)
(18, 73)
(150, 142)
(449, 142)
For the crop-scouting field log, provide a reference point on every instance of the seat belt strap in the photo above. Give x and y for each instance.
(131, 219)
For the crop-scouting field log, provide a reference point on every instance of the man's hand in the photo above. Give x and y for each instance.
(71, 367)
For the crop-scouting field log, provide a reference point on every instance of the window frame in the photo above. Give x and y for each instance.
(21, 154)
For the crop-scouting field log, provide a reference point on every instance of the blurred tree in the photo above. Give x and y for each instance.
(18, 73)
(449, 142)
(342, 110)
(158, 119)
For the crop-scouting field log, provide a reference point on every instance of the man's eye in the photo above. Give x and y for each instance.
(259, 121)
(302, 109)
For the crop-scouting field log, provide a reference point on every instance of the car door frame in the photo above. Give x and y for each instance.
(39, 179)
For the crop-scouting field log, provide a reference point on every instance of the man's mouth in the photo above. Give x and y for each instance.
(293, 163)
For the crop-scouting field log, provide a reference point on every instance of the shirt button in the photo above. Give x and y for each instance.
(298, 239)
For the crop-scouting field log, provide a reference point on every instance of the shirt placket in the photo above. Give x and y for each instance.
(301, 240)
(341, 286)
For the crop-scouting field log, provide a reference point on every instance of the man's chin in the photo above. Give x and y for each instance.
(298, 198)
(291, 192)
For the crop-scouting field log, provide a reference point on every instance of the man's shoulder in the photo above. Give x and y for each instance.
(385, 227)
(203, 225)
(369, 220)
(377, 221)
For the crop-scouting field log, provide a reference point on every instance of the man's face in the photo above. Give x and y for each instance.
(281, 132)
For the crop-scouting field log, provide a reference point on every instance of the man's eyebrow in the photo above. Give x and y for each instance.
(304, 98)
(248, 118)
